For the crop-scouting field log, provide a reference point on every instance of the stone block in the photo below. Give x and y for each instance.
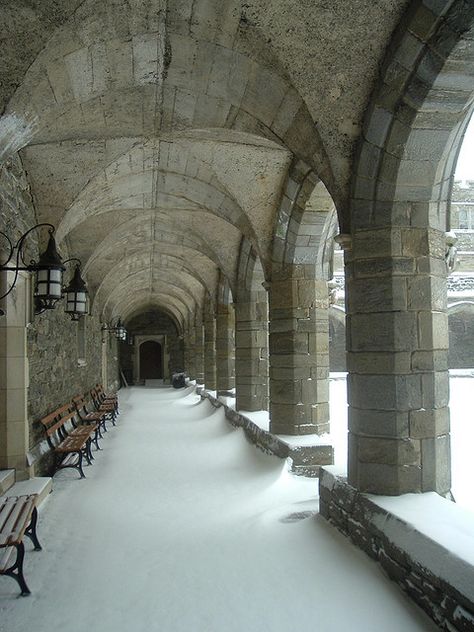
(435, 387)
(427, 293)
(288, 342)
(320, 372)
(285, 391)
(386, 479)
(306, 296)
(379, 294)
(287, 416)
(389, 451)
(287, 360)
(381, 242)
(383, 332)
(429, 361)
(436, 457)
(318, 345)
(320, 415)
(284, 294)
(385, 392)
(289, 373)
(388, 266)
(429, 423)
(379, 362)
(282, 325)
(315, 391)
(395, 571)
(377, 423)
(380, 121)
(433, 330)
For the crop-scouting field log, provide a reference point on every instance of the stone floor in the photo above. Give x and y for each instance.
(181, 525)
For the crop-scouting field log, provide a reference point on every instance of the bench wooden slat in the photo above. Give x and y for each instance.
(15, 515)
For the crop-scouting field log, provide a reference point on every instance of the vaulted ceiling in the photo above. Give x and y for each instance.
(157, 134)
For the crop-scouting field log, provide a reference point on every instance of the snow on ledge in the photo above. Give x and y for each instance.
(435, 532)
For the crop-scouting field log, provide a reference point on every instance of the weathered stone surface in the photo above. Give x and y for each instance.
(426, 577)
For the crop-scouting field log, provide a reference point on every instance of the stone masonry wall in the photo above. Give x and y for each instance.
(370, 527)
(53, 347)
(56, 372)
(16, 207)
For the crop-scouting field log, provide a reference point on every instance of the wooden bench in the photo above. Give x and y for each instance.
(106, 398)
(18, 517)
(108, 407)
(69, 441)
(90, 417)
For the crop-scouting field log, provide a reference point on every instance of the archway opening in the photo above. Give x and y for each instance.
(151, 360)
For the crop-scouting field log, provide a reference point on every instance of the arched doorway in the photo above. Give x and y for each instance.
(151, 360)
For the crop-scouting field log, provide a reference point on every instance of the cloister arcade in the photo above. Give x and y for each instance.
(201, 159)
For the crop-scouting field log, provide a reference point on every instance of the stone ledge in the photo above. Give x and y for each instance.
(432, 560)
(306, 460)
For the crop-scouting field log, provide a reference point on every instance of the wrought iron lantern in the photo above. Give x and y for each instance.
(76, 294)
(121, 332)
(118, 330)
(48, 270)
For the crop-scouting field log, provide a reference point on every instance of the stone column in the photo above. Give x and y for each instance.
(210, 351)
(189, 353)
(299, 353)
(225, 348)
(251, 352)
(198, 359)
(397, 359)
(14, 380)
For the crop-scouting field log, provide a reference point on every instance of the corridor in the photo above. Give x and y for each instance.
(183, 526)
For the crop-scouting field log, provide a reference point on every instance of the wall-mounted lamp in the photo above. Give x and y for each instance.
(49, 271)
(76, 293)
(119, 331)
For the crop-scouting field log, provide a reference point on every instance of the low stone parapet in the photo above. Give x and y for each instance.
(306, 457)
(423, 542)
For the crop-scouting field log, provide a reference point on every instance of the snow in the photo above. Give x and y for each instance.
(182, 525)
(440, 535)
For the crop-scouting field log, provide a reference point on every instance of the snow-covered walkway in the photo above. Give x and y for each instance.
(182, 526)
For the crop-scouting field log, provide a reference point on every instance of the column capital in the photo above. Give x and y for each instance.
(344, 240)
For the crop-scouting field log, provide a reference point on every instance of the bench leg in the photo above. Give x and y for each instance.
(79, 465)
(96, 438)
(16, 571)
(31, 530)
(89, 451)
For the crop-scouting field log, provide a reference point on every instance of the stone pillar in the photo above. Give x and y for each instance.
(198, 359)
(210, 351)
(397, 336)
(14, 380)
(225, 348)
(189, 352)
(251, 352)
(299, 354)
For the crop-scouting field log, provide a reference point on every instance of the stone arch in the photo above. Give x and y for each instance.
(306, 223)
(395, 242)
(225, 338)
(414, 128)
(299, 328)
(251, 332)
